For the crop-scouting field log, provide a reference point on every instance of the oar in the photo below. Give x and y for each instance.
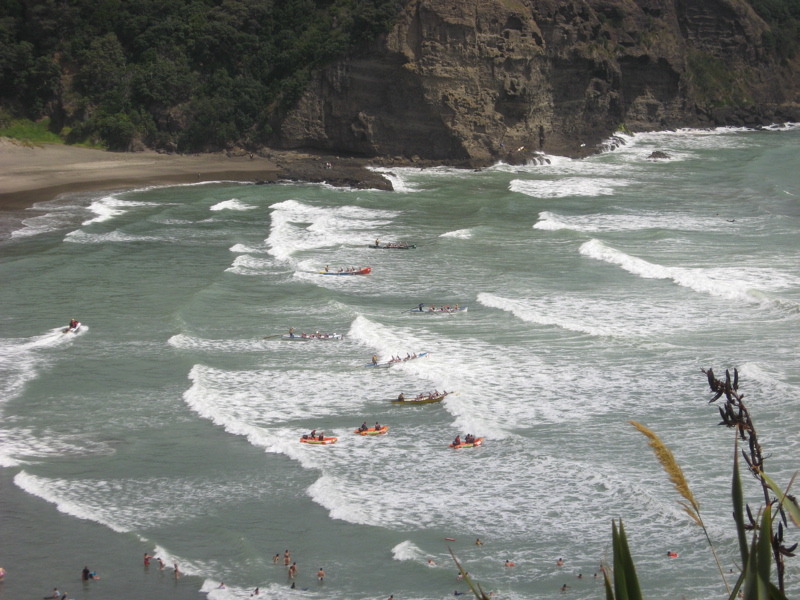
(271, 336)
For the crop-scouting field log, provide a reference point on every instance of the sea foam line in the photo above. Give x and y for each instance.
(708, 281)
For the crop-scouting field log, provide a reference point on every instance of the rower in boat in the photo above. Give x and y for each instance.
(363, 427)
(401, 397)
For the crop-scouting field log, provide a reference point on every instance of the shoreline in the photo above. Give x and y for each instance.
(38, 173)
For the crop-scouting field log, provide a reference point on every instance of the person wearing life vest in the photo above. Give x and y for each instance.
(73, 323)
(363, 427)
(457, 441)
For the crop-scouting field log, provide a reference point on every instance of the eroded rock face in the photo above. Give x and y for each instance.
(482, 80)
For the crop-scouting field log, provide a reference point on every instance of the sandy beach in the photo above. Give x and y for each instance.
(35, 173)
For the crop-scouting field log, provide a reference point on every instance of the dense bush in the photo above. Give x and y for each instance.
(783, 16)
(198, 73)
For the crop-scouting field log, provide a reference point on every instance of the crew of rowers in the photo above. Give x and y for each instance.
(446, 308)
(344, 269)
(392, 245)
(468, 439)
(365, 428)
(394, 359)
(315, 436)
(423, 396)
(316, 335)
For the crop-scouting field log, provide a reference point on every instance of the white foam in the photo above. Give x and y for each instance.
(732, 283)
(128, 505)
(551, 221)
(399, 178)
(81, 237)
(408, 551)
(566, 186)
(188, 342)
(297, 226)
(108, 207)
(245, 249)
(232, 204)
(23, 445)
(185, 567)
(20, 359)
(461, 234)
(245, 264)
(57, 492)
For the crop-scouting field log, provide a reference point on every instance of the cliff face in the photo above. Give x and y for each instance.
(478, 80)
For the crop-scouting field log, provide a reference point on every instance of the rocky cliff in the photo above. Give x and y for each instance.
(481, 80)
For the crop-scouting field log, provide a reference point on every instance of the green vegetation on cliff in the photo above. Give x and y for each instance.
(192, 74)
(783, 17)
(209, 74)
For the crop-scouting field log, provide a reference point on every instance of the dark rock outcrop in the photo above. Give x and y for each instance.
(480, 80)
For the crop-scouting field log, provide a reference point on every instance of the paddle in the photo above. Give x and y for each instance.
(271, 336)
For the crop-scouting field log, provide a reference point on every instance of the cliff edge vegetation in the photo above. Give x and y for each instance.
(441, 80)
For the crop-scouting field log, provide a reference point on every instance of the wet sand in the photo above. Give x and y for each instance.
(34, 173)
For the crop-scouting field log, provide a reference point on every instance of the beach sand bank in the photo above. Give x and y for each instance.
(35, 173)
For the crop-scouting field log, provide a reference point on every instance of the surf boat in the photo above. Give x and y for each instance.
(390, 363)
(305, 337)
(373, 431)
(325, 441)
(393, 247)
(438, 311)
(362, 271)
(422, 398)
(72, 329)
(475, 444)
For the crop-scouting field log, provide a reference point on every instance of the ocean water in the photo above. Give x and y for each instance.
(596, 291)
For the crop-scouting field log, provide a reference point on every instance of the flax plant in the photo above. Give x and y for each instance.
(735, 415)
(675, 473)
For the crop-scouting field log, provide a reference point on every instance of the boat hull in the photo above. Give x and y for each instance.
(424, 400)
(319, 442)
(312, 338)
(364, 271)
(452, 311)
(373, 431)
(409, 247)
(475, 444)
